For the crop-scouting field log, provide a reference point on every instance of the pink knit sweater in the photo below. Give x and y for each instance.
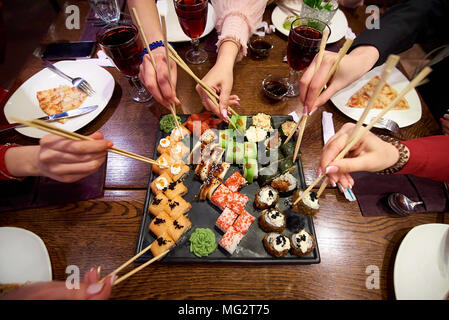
(238, 19)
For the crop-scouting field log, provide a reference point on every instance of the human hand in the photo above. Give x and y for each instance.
(158, 83)
(445, 124)
(220, 78)
(351, 68)
(370, 153)
(89, 289)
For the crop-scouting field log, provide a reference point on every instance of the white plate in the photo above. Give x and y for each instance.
(174, 31)
(421, 269)
(23, 257)
(23, 104)
(338, 24)
(398, 81)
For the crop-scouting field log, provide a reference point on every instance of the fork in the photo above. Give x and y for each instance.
(389, 124)
(78, 82)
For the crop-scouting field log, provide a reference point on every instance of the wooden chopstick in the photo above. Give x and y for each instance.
(44, 126)
(392, 61)
(364, 130)
(143, 36)
(129, 274)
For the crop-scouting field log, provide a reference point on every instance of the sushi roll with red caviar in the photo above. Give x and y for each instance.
(175, 188)
(226, 219)
(243, 222)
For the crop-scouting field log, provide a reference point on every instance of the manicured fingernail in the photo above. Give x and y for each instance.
(333, 184)
(350, 187)
(319, 171)
(224, 112)
(331, 169)
(238, 99)
(95, 288)
(311, 112)
(113, 278)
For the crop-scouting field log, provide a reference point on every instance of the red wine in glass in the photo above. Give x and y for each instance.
(192, 16)
(121, 44)
(303, 45)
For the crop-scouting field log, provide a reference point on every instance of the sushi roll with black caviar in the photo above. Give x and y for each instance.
(266, 197)
(308, 205)
(276, 244)
(302, 243)
(272, 220)
(285, 183)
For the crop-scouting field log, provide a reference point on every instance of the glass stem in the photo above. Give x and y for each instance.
(293, 77)
(196, 44)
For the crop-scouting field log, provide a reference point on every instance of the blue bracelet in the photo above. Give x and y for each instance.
(153, 45)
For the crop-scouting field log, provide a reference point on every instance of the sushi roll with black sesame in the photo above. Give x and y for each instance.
(285, 183)
(308, 205)
(302, 243)
(272, 220)
(276, 244)
(266, 197)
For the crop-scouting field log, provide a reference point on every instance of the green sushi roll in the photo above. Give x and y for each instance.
(240, 123)
(225, 137)
(229, 155)
(250, 170)
(238, 153)
(250, 150)
(288, 149)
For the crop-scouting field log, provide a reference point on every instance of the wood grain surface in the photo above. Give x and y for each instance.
(104, 231)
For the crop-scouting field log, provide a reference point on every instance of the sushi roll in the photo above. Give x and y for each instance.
(255, 134)
(250, 150)
(208, 188)
(286, 165)
(203, 169)
(273, 142)
(266, 197)
(226, 219)
(219, 170)
(164, 145)
(238, 153)
(288, 149)
(164, 163)
(269, 157)
(267, 174)
(220, 196)
(308, 205)
(235, 181)
(175, 188)
(179, 134)
(159, 204)
(179, 227)
(285, 183)
(286, 128)
(250, 170)
(243, 222)
(178, 151)
(302, 243)
(178, 170)
(217, 154)
(208, 136)
(225, 137)
(239, 121)
(272, 220)
(162, 244)
(263, 121)
(276, 244)
(237, 202)
(160, 224)
(161, 183)
(178, 206)
(230, 240)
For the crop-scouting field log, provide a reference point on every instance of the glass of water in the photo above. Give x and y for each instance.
(106, 10)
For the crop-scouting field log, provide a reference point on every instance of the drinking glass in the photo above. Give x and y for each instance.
(303, 44)
(106, 10)
(121, 43)
(192, 16)
(324, 14)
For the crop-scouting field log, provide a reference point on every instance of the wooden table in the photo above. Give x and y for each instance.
(104, 231)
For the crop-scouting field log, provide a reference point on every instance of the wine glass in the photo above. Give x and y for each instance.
(106, 10)
(121, 43)
(304, 42)
(192, 16)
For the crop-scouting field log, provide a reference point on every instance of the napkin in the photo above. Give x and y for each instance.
(372, 190)
(35, 192)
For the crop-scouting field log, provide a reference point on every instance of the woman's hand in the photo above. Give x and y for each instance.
(158, 83)
(89, 289)
(370, 153)
(351, 68)
(58, 158)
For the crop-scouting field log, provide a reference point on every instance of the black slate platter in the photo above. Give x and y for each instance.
(204, 215)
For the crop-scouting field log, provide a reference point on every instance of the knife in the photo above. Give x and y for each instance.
(61, 115)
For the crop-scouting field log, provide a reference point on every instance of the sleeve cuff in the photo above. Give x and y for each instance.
(235, 26)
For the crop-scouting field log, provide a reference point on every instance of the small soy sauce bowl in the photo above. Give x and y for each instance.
(275, 87)
(260, 46)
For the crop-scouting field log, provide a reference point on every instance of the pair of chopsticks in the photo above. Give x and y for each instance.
(360, 131)
(171, 53)
(129, 274)
(302, 123)
(153, 62)
(44, 126)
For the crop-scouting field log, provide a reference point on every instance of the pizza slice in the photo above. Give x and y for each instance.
(387, 95)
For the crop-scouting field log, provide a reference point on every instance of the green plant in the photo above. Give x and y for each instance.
(318, 4)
